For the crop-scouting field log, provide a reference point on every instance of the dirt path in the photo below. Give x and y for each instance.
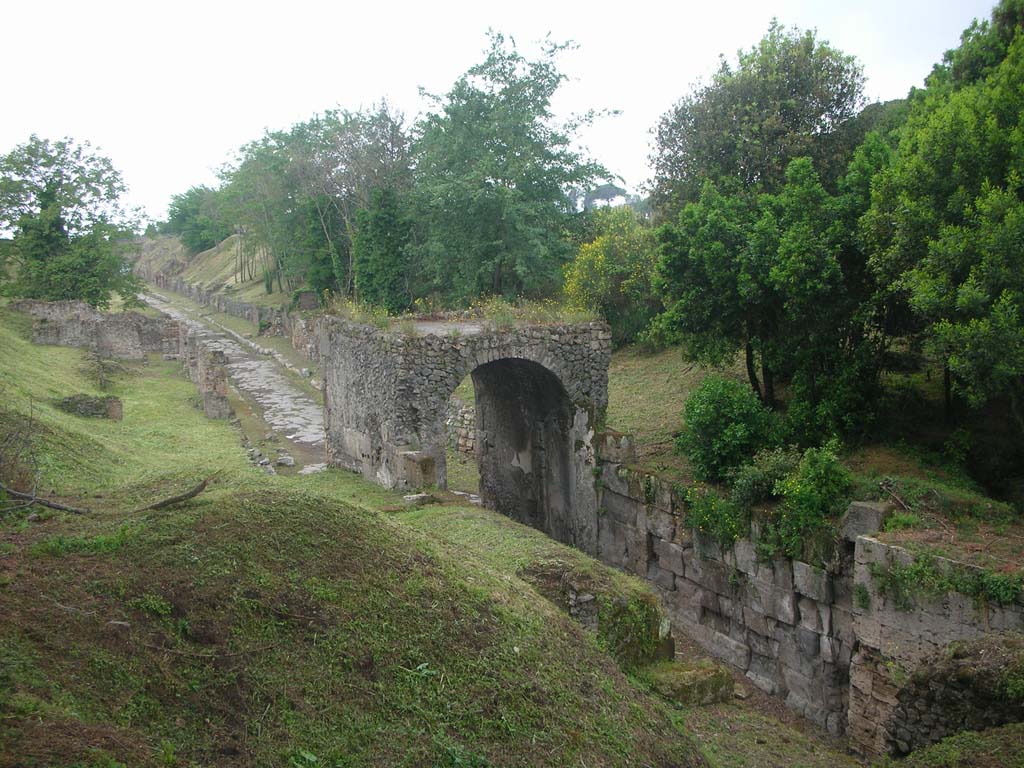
(288, 411)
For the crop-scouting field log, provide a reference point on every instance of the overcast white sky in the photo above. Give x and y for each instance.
(169, 90)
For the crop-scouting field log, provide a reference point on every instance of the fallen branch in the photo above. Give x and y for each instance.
(180, 497)
(888, 489)
(33, 499)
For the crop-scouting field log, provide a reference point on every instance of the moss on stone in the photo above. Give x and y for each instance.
(691, 683)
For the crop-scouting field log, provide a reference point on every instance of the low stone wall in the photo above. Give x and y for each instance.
(207, 368)
(827, 641)
(122, 335)
(461, 422)
(270, 321)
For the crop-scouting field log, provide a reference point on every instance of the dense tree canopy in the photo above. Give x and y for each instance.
(493, 172)
(62, 203)
(612, 272)
(194, 217)
(944, 230)
(789, 96)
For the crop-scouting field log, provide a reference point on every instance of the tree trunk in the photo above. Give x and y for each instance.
(769, 384)
(947, 392)
(752, 371)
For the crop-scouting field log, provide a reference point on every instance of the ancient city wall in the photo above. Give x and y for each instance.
(829, 642)
(896, 703)
(206, 366)
(122, 335)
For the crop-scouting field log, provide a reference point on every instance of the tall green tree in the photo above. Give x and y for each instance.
(789, 96)
(493, 172)
(62, 202)
(294, 194)
(380, 249)
(777, 278)
(612, 273)
(943, 229)
(195, 217)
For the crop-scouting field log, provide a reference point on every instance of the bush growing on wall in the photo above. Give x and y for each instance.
(725, 426)
(812, 497)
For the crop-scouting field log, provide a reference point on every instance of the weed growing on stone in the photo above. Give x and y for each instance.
(925, 577)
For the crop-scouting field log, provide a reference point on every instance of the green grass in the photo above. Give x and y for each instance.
(463, 473)
(1001, 747)
(271, 621)
(735, 736)
(646, 392)
(80, 457)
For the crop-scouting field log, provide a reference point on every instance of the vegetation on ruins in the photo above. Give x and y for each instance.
(61, 202)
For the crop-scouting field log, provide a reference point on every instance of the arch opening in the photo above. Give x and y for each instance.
(528, 435)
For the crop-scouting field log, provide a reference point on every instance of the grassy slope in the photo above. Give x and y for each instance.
(270, 620)
(213, 270)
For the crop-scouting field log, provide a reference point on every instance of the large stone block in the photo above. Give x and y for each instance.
(729, 650)
(710, 574)
(769, 600)
(622, 508)
(670, 556)
(863, 518)
(812, 582)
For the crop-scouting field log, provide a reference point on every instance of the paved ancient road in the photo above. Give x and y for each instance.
(290, 412)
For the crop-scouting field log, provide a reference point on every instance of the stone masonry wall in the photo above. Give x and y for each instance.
(794, 629)
(539, 391)
(461, 422)
(786, 625)
(893, 644)
(122, 335)
(207, 368)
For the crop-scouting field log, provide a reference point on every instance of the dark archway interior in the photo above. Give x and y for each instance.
(523, 419)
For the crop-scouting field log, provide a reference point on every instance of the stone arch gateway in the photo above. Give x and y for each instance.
(540, 392)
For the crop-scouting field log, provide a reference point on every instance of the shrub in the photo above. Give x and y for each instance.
(711, 514)
(725, 425)
(754, 483)
(813, 495)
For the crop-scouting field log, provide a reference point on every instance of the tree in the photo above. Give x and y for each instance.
(62, 203)
(294, 194)
(380, 253)
(778, 278)
(944, 227)
(194, 216)
(493, 170)
(790, 96)
(612, 273)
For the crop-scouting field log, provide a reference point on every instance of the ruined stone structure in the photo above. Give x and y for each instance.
(270, 321)
(830, 643)
(539, 391)
(461, 423)
(206, 366)
(900, 697)
(121, 335)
